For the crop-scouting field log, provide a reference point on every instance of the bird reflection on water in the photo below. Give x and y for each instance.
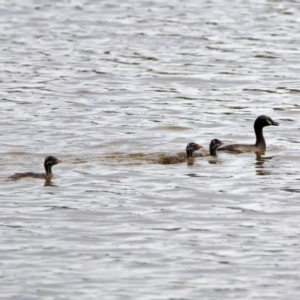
(260, 164)
(49, 183)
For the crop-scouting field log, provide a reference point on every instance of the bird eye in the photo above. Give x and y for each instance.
(269, 122)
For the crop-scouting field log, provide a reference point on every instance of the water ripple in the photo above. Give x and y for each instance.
(108, 87)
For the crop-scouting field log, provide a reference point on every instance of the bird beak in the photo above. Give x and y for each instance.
(58, 161)
(275, 123)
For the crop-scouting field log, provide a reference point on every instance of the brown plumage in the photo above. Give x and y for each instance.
(49, 162)
(181, 157)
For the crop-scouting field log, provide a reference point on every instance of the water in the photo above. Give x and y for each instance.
(107, 87)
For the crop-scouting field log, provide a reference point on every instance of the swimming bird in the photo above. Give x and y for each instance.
(213, 146)
(181, 157)
(260, 144)
(50, 161)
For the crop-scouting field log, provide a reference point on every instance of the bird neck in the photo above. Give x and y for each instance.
(260, 140)
(48, 170)
(213, 150)
(189, 153)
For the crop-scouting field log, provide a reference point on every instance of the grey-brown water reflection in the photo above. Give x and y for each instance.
(108, 87)
(260, 164)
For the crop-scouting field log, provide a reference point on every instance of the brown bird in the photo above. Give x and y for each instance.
(181, 157)
(50, 161)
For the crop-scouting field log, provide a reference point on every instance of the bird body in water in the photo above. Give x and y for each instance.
(181, 157)
(50, 161)
(260, 144)
(190, 155)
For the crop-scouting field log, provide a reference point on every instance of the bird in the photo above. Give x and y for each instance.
(181, 157)
(50, 161)
(260, 144)
(214, 145)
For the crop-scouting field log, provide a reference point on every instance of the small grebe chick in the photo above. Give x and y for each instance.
(50, 161)
(181, 157)
(260, 144)
(214, 145)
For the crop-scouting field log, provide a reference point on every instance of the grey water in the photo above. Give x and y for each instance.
(108, 87)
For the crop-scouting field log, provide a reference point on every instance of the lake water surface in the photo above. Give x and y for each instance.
(108, 87)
